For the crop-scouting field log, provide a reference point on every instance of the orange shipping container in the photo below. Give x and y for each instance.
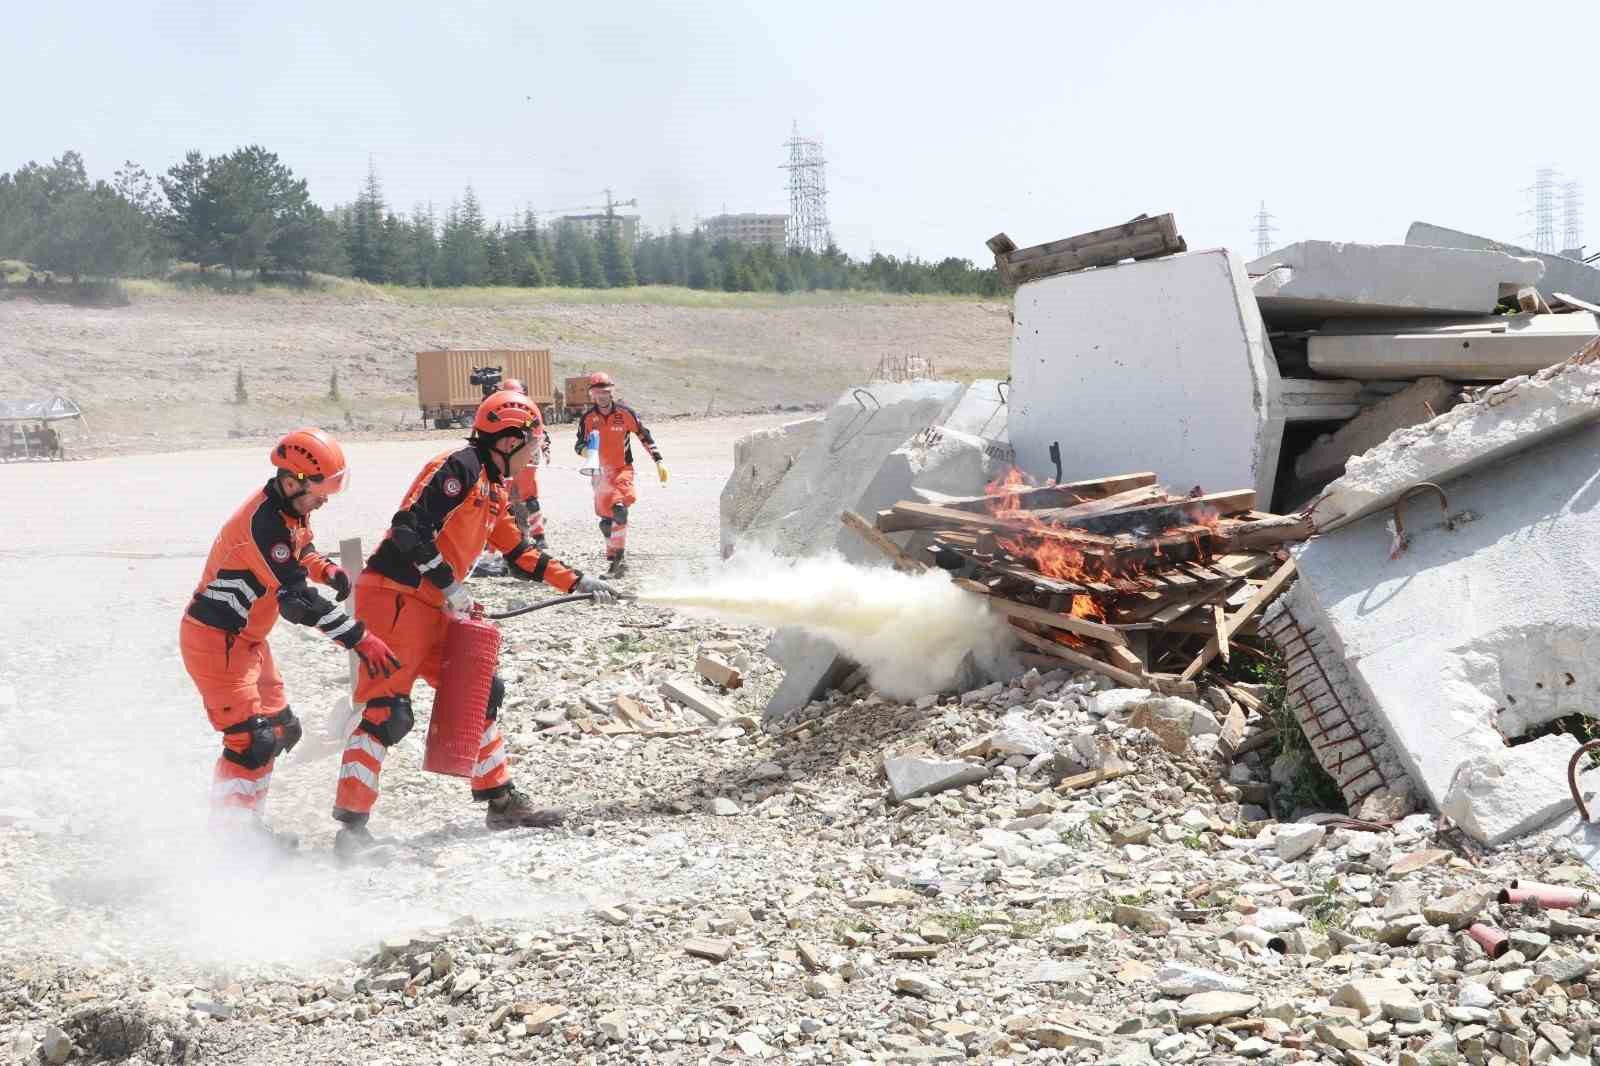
(444, 378)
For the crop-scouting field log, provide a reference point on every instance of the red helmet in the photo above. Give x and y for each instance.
(513, 385)
(313, 458)
(601, 380)
(505, 410)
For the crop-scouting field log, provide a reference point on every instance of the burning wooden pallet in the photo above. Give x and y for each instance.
(1113, 575)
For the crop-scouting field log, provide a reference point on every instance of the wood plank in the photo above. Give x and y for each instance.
(707, 706)
(1165, 515)
(1066, 494)
(1139, 238)
(351, 561)
(1131, 498)
(1078, 659)
(718, 671)
(892, 551)
(1126, 658)
(1264, 595)
(1083, 627)
(1268, 532)
(1220, 621)
(1573, 301)
(1091, 778)
(931, 515)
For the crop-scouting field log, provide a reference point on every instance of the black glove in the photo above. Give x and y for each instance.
(339, 581)
(300, 604)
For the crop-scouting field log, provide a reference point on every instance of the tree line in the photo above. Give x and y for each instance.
(247, 213)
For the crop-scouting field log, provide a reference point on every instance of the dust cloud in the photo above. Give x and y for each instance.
(910, 631)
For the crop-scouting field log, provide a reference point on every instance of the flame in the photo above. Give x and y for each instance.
(1084, 607)
(1005, 493)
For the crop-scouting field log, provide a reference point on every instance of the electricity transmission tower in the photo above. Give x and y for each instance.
(1544, 210)
(808, 194)
(1572, 218)
(1264, 231)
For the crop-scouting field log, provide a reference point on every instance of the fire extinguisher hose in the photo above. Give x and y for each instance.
(554, 601)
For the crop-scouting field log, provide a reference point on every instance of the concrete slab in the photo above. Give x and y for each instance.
(760, 461)
(1319, 399)
(1499, 797)
(1420, 402)
(1476, 634)
(1513, 416)
(1561, 274)
(982, 410)
(1311, 281)
(1159, 365)
(1488, 349)
(840, 470)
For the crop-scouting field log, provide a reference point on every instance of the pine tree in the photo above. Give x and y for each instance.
(616, 257)
(591, 273)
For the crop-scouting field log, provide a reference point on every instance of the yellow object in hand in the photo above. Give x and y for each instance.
(661, 471)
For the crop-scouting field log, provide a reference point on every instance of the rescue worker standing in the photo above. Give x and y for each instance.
(613, 482)
(258, 568)
(414, 582)
(525, 487)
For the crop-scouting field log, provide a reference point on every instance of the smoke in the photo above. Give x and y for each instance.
(910, 631)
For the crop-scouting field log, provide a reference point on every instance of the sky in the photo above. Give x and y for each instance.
(942, 123)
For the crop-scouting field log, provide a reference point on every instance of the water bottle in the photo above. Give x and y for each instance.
(591, 455)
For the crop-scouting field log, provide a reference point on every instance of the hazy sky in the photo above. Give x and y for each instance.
(943, 123)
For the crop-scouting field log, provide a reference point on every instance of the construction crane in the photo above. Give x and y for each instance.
(609, 207)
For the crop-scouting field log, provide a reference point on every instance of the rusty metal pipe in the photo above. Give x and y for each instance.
(1550, 897)
(1494, 942)
(1572, 776)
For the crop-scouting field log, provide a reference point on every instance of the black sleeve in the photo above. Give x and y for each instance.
(303, 605)
(645, 435)
(583, 421)
(414, 529)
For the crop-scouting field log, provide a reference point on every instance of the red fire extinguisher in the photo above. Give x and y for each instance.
(471, 650)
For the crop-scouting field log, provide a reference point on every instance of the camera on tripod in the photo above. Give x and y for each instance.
(486, 376)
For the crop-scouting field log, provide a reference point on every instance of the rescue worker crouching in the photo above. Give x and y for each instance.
(414, 582)
(258, 568)
(613, 481)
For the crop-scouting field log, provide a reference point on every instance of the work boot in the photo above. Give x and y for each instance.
(618, 567)
(515, 811)
(352, 840)
(540, 543)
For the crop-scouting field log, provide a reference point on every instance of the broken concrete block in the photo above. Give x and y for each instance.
(1496, 797)
(1174, 720)
(1477, 631)
(1561, 274)
(1511, 417)
(981, 411)
(1319, 400)
(1309, 282)
(760, 461)
(1488, 349)
(1420, 402)
(1297, 838)
(909, 778)
(1185, 327)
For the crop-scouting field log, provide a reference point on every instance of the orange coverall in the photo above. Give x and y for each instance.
(258, 565)
(613, 485)
(452, 509)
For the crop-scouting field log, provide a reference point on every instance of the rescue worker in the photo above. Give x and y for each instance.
(525, 489)
(414, 583)
(258, 569)
(613, 482)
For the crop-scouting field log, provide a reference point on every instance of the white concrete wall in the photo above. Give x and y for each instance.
(1560, 273)
(1161, 365)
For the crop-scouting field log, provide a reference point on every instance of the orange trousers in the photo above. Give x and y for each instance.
(415, 630)
(237, 680)
(612, 489)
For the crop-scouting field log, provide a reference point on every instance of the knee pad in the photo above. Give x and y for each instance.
(393, 729)
(292, 730)
(619, 513)
(497, 693)
(263, 742)
(605, 527)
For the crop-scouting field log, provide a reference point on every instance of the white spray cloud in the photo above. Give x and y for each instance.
(910, 631)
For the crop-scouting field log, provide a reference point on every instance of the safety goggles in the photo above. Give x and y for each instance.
(325, 484)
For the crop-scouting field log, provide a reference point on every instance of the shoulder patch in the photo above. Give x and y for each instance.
(281, 553)
(452, 486)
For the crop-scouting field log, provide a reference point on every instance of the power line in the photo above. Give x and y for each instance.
(1544, 210)
(808, 193)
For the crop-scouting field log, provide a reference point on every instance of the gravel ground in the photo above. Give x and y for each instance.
(721, 894)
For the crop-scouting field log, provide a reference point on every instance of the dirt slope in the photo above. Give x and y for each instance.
(162, 370)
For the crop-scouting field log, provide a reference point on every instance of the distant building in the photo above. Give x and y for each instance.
(595, 225)
(746, 229)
